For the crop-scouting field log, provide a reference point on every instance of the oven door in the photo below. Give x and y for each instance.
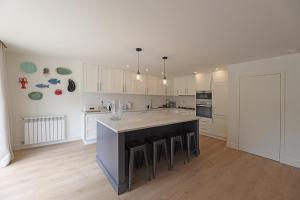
(204, 111)
(203, 95)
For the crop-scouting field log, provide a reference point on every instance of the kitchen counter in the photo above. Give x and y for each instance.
(131, 121)
(113, 136)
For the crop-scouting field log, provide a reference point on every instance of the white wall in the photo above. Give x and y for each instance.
(69, 104)
(289, 68)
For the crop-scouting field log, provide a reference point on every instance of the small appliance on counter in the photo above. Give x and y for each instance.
(91, 108)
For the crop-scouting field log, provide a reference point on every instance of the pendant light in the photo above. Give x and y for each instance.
(138, 74)
(165, 78)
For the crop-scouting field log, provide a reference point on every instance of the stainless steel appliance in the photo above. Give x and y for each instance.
(204, 104)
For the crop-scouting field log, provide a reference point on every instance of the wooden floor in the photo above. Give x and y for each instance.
(69, 171)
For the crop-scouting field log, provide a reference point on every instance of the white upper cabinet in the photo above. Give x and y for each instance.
(91, 78)
(191, 85)
(129, 82)
(152, 85)
(185, 85)
(140, 85)
(170, 87)
(117, 81)
(203, 81)
(109, 80)
(220, 76)
(105, 80)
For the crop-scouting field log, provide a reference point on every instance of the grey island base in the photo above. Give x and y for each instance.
(112, 137)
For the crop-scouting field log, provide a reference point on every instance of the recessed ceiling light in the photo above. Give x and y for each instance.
(195, 72)
(146, 69)
(127, 66)
(217, 68)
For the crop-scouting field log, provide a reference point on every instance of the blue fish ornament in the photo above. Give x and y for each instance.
(42, 86)
(54, 81)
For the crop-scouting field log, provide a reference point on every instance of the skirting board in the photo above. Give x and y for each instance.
(22, 146)
(213, 136)
(89, 141)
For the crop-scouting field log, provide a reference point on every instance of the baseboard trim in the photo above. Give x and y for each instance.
(290, 161)
(29, 146)
(232, 145)
(90, 141)
(213, 136)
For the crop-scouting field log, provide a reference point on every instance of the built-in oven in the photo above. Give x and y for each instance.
(204, 104)
(204, 111)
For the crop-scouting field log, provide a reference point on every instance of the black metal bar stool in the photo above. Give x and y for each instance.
(157, 142)
(134, 148)
(173, 141)
(189, 135)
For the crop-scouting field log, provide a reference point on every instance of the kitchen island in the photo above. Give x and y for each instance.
(112, 136)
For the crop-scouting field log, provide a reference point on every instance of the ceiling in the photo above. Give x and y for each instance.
(196, 35)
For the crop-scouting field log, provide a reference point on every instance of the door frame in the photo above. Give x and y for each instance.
(282, 108)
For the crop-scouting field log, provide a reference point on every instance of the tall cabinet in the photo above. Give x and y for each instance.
(219, 104)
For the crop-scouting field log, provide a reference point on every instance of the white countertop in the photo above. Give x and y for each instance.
(140, 120)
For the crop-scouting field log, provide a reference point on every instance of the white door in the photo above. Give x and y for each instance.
(105, 85)
(260, 115)
(90, 78)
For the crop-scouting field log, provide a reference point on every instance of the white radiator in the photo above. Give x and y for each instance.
(42, 129)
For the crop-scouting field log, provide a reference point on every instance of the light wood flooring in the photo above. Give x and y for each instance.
(69, 171)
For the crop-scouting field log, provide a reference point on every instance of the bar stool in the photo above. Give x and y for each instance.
(157, 142)
(173, 141)
(134, 148)
(189, 135)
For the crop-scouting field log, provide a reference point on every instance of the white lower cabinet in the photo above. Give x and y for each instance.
(89, 133)
(219, 126)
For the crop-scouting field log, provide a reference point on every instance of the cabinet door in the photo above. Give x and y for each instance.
(105, 85)
(91, 128)
(117, 81)
(129, 82)
(203, 81)
(191, 85)
(220, 98)
(151, 85)
(90, 78)
(170, 87)
(220, 76)
(161, 88)
(219, 126)
(140, 85)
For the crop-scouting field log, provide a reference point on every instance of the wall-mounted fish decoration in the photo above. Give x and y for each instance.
(28, 67)
(53, 81)
(35, 95)
(58, 92)
(41, 85)
(63, 71)
(46, 71)
(71, 86)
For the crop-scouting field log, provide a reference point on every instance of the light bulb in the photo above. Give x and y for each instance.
(138, 76)
(165, 81)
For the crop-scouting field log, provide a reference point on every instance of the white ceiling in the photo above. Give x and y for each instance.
(196, 35)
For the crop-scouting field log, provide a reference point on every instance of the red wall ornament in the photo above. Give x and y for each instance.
(58, 92)
(23, 81)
